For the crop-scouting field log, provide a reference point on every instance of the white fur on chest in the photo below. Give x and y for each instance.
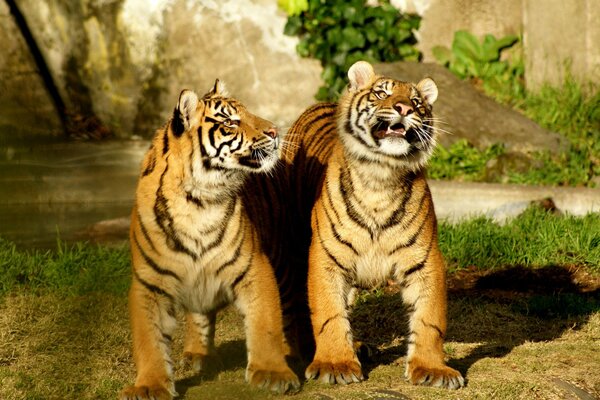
(373, 267)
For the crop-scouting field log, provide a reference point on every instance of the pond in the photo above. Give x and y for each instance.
(52, 189)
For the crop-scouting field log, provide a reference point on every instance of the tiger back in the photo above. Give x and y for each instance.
(195, 248)
(365, 210)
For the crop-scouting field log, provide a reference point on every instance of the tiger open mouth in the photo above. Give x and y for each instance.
(383, 129)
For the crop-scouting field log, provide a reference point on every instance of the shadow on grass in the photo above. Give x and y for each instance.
(501, 309)
(230, 355)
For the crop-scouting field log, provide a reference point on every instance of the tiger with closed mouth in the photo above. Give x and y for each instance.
(366, 215)
(195, 248)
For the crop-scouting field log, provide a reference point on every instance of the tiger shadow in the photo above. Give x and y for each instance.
(500, 310)
(231, 355)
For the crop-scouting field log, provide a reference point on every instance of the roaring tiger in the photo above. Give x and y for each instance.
(195, 248)
(358, 170)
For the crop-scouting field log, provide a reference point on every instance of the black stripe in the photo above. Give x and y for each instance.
(414, 268)
(337, 235)
(194, 200)
(232, 260)
(166, 141)
(350, 210)
(165, 221)
(435, 327)
(221, 235)
(153, 288)
(151, 163)
(328, 321)
(226, 143)
(329, 254)
(177, 123)
(152, 263)
(211, 134)
(401, 209)
(413, 238)
(239, 278)
(144, 230)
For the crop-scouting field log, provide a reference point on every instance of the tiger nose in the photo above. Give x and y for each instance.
(403, 109)
(271, 132)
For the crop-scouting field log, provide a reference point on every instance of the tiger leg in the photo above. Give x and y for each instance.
(335, 359)
(425, 294)
(257, 297)
(199, 343)
(153, 322)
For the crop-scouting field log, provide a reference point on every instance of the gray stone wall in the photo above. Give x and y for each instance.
(558, 36)
(25, 106)
(122, 63)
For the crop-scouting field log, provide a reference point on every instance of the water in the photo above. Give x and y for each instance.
(53, 189)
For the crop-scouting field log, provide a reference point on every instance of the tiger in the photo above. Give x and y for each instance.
(194, 247)
(365, 217)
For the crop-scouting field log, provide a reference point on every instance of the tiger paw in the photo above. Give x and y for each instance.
(276, 381)
(202, 363)
(146, 393)
(340, 372)
(437, 376)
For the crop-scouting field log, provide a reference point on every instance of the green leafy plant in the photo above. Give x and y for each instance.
(341, 32)
(470, 58)
(571, 110)
(293, 7)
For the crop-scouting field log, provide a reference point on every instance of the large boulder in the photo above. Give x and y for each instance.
(119, 65)
(26, 107)
(464, 112)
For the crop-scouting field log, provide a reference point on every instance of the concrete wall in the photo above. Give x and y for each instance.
(124, 62)
(556, 33)
(25, 106)
(444, 17)
(561, 35)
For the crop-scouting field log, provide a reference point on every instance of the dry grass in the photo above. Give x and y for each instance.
(506, 342)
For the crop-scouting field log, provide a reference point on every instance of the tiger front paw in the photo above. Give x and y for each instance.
(280, 382)
(339, 372)
(146, 393)
(436, 376)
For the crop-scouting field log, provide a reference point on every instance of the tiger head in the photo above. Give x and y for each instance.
(224, 133)
(387, 120)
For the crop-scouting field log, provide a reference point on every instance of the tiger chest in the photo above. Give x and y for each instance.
(373, 267)
(213, 236)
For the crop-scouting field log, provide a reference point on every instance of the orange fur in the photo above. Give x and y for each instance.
(195, 247)
(358, 173)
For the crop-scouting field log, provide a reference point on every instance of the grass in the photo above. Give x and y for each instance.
(572, 110)
(519, 327)
(534, 239)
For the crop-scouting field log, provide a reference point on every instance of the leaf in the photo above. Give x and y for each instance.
(442, 54)
(293, 26)
(352, 39)
(293, 7)
(467, 45)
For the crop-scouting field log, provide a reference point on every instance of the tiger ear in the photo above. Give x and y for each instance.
(361, 75)
(184, 112)
(428, 90)
(218, 89)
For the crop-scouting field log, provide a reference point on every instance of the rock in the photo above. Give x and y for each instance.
(466, 113)
(119, 65)
(27, 109)
(497, 169)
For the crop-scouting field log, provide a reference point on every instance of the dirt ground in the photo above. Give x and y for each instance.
(514, 333)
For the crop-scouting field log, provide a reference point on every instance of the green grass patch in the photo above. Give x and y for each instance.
(534, 239)
(71, 269)
(572, 109)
